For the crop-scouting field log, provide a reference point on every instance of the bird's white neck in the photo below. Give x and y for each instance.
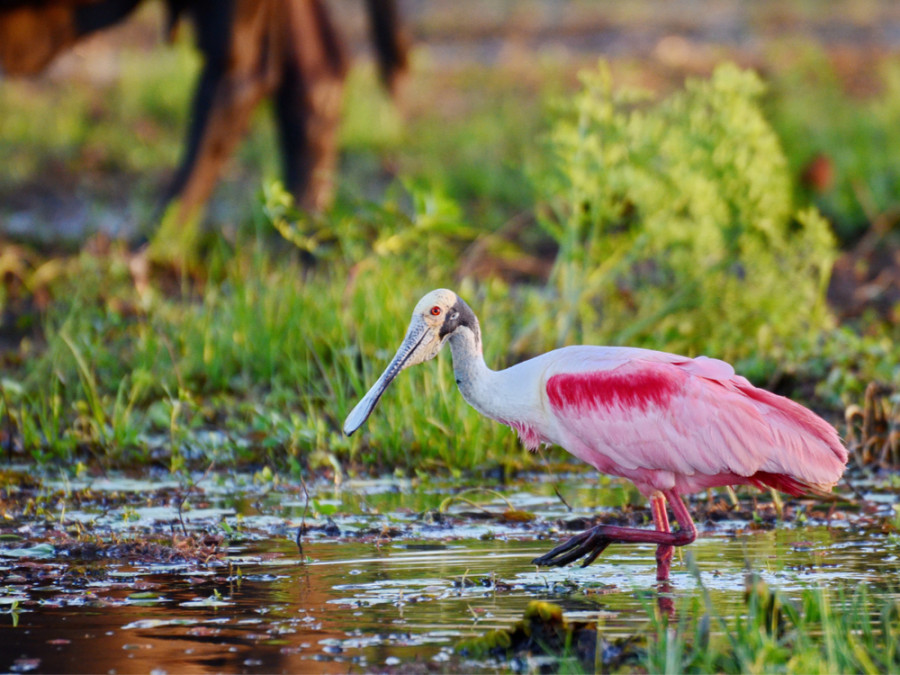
(508, 396)
(473, 377)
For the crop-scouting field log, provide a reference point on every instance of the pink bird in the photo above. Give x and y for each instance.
(671, 424)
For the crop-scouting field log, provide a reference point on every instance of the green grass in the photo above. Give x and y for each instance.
(270, 340)
(274, 352)
(851, 630)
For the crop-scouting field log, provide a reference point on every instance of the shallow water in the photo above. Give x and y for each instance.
(393, 591)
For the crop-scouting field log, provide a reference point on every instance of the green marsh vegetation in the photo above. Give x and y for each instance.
(853, 630)
(663, 220)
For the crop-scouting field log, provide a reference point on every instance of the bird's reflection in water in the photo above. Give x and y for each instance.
(664, 601)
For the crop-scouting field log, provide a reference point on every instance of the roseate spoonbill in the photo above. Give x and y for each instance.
(671, 424)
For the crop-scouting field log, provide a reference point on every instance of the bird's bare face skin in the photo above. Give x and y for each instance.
(429, 328)
(428, 319)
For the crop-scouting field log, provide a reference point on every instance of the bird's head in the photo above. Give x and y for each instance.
(437, 316)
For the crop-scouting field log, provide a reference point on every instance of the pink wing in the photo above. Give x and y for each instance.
(651, 412)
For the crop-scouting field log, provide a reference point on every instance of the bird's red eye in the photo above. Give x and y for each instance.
(435, 311)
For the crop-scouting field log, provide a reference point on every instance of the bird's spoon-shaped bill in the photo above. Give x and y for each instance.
(415, 335)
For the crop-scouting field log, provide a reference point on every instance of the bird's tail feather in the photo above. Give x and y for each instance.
(793, 486)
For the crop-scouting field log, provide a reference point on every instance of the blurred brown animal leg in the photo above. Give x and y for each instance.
(251, 49)
(308, 101)
(238, 72)
(391, 42)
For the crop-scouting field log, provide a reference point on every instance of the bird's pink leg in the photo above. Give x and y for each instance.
(664, 552)
(590, 543)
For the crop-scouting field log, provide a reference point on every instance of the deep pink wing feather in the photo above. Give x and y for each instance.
(650, 414)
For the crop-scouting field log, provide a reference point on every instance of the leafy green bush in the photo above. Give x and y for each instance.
(675, 223)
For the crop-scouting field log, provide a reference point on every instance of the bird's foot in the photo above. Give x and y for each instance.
(589, 544)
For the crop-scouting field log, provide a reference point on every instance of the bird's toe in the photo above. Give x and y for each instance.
(592, 555)
(546, 560)
(590, 544)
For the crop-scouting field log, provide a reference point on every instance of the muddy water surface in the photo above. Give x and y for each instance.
(384, 580)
